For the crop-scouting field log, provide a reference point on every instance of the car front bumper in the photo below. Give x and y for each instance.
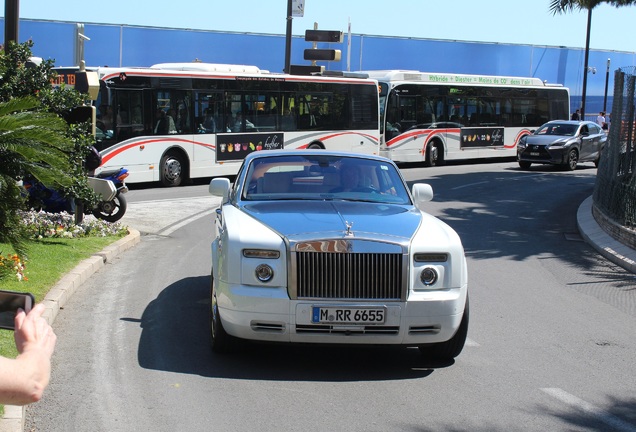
(541, 155)
(267, 314)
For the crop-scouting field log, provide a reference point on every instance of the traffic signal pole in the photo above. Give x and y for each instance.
(11, 17)
(288, 36)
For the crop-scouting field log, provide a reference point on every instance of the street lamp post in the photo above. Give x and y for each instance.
(606, 82)
(585, 66)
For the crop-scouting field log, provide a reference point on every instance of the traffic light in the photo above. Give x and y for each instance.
(322, 55)
(333, 36)
(87, 82)
(81, 114)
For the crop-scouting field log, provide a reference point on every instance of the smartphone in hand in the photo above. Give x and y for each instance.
(10, 302)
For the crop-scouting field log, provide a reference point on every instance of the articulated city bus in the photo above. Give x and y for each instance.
(177, 121)
(433, 117)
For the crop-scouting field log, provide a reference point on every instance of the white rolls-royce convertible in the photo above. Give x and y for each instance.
(314, 246)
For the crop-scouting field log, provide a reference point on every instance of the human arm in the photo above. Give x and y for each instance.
(23, 379)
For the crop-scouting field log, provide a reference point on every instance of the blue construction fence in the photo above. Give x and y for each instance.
(127, 45)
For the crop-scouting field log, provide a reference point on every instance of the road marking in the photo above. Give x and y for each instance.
(504, 179)
(163, 217)
(469, 185)
(471, 343)
(172, 228)
(588, 408)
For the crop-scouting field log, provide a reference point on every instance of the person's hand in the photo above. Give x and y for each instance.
(32, 332)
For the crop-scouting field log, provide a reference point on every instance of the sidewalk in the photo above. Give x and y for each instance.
(13, 420)
(604, 244)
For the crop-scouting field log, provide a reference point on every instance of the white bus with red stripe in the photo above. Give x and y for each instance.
(433, 117)
(179, 121)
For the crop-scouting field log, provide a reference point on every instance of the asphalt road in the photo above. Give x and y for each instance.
(551, 340)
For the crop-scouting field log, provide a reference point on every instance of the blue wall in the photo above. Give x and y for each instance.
(124, 45)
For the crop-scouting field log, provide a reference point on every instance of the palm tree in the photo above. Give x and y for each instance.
(32, 143)
(562, 6)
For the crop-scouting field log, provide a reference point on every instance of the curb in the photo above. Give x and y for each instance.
(56, 298)
(613, 250)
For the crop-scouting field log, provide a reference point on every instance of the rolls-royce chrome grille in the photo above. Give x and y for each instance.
(324, 275)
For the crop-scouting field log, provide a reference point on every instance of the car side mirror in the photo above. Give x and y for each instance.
(220, 187)
(422, 193)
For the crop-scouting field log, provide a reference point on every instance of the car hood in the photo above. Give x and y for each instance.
(331, 218)
(547, 139)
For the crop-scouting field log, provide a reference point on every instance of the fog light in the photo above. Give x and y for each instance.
(428, 276)
(264, 273)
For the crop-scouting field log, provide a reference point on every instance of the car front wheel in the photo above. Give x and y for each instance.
(220, 341)
(572, 160)
(524, 165)
(447, 351)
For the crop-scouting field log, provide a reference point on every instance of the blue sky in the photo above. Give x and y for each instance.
(497, 21)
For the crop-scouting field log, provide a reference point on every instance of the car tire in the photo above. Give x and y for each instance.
(171, 169)
(572, 160)
(220, 341)
(447, 351)
(524, 165)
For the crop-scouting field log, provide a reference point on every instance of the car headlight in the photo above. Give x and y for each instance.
(429, 276)
(264, 272)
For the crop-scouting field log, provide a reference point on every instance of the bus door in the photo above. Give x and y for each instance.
(209, 120)
(410, 116)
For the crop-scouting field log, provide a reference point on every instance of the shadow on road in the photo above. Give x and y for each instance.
(175, 338)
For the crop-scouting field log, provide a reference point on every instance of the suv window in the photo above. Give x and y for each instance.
(594, 129)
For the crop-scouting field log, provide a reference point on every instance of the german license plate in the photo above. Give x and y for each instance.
(347, 315)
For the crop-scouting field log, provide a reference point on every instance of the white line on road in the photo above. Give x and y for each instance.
(588, 408)
(172, 228)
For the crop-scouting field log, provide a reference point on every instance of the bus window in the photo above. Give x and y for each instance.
(208, 112)
(172, 113)
(315, 112)
(288, 111)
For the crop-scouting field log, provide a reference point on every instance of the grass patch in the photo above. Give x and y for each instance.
(49, 258)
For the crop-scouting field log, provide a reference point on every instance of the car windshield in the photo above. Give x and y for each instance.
(562, 129)
(328, 177)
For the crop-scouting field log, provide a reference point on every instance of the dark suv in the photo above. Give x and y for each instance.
(562, 142)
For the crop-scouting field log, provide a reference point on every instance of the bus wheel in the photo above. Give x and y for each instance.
(434, 156)
(171, 169)
(315, 146)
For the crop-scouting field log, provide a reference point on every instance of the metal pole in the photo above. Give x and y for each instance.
(11, 19)
(587, 57)
(288, 37)
(606, 83)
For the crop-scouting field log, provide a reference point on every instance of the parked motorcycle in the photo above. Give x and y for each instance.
(108, 185)
(112, 210)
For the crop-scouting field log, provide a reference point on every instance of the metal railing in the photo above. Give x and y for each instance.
(615, 188)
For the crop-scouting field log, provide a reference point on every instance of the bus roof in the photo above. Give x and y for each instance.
(449, 78)
(208, 67)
